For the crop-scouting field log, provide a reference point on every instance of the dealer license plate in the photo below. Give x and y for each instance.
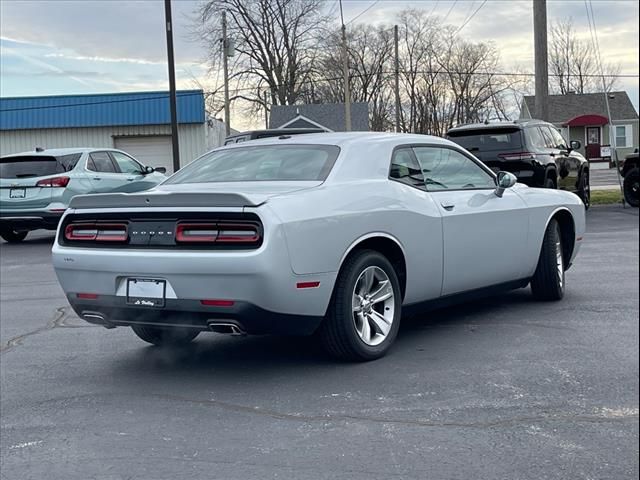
(146, 292)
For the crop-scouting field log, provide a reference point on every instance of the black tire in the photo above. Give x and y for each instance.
(585, 190)
(547, 282)
(164, 337)
(631, 186)
(550, 183)
(13, 236)
(338, 333)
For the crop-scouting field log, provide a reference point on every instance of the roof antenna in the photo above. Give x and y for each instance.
(39, 149)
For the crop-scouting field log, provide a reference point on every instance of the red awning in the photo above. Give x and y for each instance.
(584, 120)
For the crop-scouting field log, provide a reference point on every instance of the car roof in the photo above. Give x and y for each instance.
(58, 152)
(344, 139)
(276, 132)
(493, 125)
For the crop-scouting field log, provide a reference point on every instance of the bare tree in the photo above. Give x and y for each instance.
(274, 45)
(573, 63)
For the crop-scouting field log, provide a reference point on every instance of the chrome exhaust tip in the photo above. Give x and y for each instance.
(226, 328)
(97, 318)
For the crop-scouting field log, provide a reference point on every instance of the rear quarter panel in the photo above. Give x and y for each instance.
(323, 224)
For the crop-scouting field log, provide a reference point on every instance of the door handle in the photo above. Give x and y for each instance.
(130, 179)
(97, 178)
(448, 207)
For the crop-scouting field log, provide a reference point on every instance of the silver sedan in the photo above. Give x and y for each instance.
(337, 234)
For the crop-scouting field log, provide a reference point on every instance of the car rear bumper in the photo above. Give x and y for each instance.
(29, 219)
(114, 311)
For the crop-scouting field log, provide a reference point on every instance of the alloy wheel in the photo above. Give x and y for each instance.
(373, 305)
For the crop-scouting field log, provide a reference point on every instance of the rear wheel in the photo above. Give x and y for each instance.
(548, 280)
(13, 236)
(165, 336)
(632, 187)
(550, 183)
(364, 315)
(585, 191)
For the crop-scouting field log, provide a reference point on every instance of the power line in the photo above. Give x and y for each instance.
(450, 10)
(363, 12)
(469, 19)
(316, 80)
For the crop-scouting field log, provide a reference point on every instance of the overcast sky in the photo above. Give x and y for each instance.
(65, 47)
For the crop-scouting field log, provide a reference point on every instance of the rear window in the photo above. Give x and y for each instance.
(26, 166)
(261, 163)
(488, 140)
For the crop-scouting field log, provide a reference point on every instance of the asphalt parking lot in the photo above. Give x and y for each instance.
(503, 388)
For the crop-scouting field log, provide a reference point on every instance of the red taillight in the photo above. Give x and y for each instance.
(237, 233)
(217, 233)
(196, 232)
(54, 182)
(217, 303)
(87, 296)
(517, 156)
(98, 232)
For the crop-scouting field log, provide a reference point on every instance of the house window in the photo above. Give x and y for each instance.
(623, 136)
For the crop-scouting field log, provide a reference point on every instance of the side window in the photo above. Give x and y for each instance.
(125, 163)
(558, 140)
(447, 169)
(100, 162)
(405, 168)
(536, 139)
(69, 162)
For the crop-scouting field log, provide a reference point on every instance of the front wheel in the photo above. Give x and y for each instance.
(585, 191)
(548, 280)
(364, 315)
(631, 187)
(165, 337)
(13, 236)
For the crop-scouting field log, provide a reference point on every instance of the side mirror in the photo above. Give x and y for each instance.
(574, 144)
(160, 169)
(505, 180)
(147, 170)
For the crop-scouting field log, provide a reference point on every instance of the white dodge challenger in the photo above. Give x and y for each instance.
(334, 234)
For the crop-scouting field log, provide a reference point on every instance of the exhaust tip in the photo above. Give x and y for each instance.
(226, 328)
(97, 318)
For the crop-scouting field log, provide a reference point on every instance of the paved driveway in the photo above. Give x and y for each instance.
(504, 388)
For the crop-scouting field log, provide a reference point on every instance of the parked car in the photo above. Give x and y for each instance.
(336, 234)
(36, 187)
(534, 151)
(275, 132)
(631, 174)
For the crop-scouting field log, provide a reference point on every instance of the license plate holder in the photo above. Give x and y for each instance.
(146, 292)
(18, 193)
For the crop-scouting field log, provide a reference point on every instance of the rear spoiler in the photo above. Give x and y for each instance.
(171, 199)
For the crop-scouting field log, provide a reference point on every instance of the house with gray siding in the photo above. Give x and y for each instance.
(584, 117)
(328, 116)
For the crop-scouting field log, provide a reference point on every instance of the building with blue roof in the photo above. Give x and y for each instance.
(136, 122)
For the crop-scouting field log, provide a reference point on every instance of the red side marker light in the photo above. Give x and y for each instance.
(218, 303)
(307, 284)
(87, 296)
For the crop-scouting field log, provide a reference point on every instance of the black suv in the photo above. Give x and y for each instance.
(533, 150)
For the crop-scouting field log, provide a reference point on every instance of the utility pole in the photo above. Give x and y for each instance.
(397, 77)
(265, 95)
(541, 61)
(225, 67)
(345, 71)
(172, 86)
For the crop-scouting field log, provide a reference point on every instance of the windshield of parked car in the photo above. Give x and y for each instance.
(260, 163)
(26, 166)
(487, 139)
